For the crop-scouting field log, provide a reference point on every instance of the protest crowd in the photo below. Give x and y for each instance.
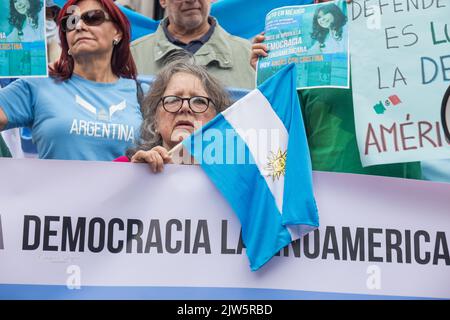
(193, 62)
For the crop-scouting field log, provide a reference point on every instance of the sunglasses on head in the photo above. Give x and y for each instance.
(90, 18)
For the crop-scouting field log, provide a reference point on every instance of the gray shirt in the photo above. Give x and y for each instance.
(225, 56)
(194, 45)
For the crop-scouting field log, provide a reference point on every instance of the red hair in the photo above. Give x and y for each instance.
(122, 62)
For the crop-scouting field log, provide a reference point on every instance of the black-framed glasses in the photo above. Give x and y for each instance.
(197, 104)
(90, 18)
(445, 113)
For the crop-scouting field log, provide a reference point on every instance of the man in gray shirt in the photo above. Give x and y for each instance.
(189, 27)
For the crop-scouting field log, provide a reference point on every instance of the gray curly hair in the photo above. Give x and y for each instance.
(149, 138)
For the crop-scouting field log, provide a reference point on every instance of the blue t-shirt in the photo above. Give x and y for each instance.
(75, 119)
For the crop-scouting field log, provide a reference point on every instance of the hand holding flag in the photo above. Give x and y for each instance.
(257, 155)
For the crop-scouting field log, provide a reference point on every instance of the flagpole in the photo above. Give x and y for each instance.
(175, 149)
(181, 159)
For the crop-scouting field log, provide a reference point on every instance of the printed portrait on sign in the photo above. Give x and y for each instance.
(23, 51)
(5, 26)
(328, 34)
(26, 20)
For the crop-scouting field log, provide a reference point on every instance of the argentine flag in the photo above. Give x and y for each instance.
(257, 155)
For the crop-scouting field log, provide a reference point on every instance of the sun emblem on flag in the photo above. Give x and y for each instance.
(276, 165)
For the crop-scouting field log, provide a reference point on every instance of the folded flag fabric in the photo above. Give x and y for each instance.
(257, 155)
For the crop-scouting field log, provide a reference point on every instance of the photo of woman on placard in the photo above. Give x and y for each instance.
(445, 113)
(25, 19)
(328, 33)
(5, 26)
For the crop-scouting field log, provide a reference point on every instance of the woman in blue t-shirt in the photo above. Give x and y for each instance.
(88, 108)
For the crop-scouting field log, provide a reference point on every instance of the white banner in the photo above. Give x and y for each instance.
(114, 230)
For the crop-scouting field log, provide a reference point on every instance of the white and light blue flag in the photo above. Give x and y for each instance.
(257, 155)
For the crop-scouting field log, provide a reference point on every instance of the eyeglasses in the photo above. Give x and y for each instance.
(90, 18)
(197, 104)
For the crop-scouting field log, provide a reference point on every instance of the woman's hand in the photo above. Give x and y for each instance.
(156, 157)
(258, 49)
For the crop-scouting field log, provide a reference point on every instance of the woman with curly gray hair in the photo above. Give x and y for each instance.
(183, 97)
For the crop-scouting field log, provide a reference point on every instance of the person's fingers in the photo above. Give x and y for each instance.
(146, 156)
(259, 46)
(259, 38)
(152, 157)
(138, 157)
(159, 162)
(153, 162)
(260, 51)
(163, 153)
(134, 158)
